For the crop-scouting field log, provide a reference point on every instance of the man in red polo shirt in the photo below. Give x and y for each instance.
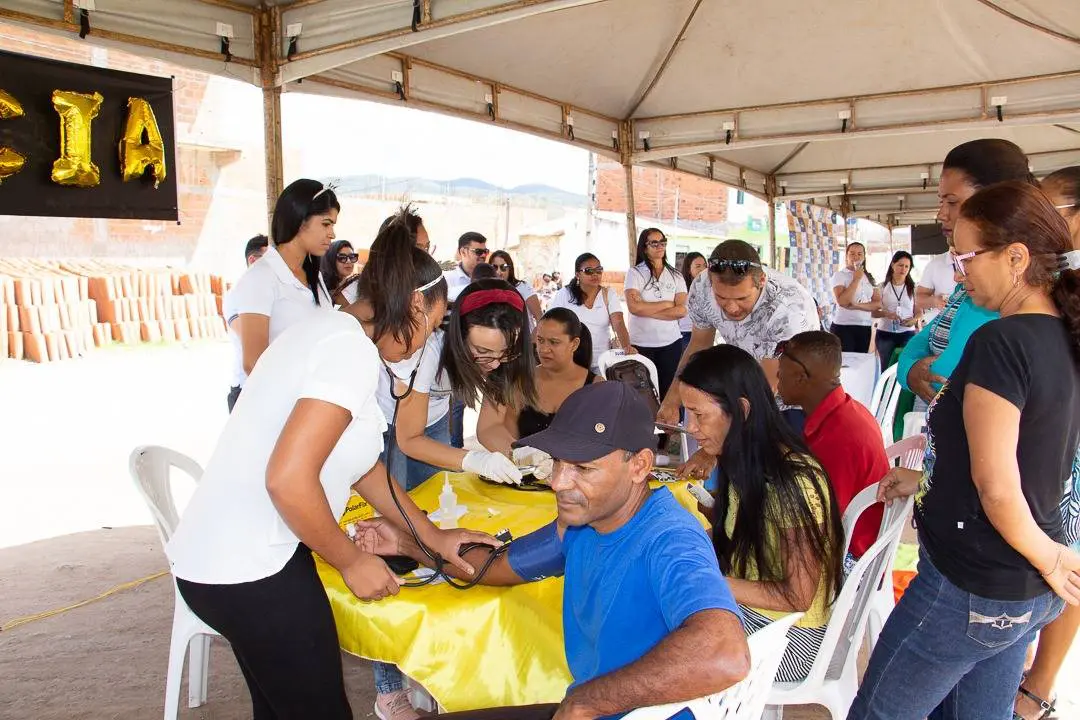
(841, 433)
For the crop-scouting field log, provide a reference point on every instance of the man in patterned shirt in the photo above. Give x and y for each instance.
(750, 306)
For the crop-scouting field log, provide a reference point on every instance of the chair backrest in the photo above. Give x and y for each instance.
(882, 390)
(908, 451)
(150, 467)
(746, 699)
(914, 423)
(843, 637)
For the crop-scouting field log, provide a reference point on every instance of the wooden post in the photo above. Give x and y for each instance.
(770, 219)
(266, 45)
(626, 147)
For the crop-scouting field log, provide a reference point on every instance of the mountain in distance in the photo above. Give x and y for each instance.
(380, 186)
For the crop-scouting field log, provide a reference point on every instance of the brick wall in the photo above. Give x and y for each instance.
(660, 194)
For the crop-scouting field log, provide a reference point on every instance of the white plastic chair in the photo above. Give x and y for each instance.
(150, 468)
(914, 424)
(883, 405)
(744, 700)
(833, 679)
(908, 453)
(610, 357)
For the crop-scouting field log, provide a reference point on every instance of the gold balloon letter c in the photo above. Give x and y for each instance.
(11, 161)
(77, 111)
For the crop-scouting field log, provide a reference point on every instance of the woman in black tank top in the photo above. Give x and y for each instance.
(564, 349)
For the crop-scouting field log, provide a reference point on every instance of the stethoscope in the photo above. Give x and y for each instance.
(412, 376)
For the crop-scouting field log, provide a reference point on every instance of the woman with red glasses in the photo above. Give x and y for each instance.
(597, 306)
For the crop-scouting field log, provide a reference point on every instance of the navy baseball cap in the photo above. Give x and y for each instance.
(594, 421)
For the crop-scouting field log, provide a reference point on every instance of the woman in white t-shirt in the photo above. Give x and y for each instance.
(337, 266)
(897, 316)
(306, 431)
(284, 286)
(856, 299)
(503, 265)
(598, 307)
(656, 298)
(693, 264)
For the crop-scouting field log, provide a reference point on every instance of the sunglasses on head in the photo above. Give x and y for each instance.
(739, 267)
(782, 351)
(479, 252)
(501, 267)
(348, 257)
(598, 270)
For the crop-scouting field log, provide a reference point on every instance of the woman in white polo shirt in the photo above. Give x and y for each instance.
(503, 265)
(856, 299)
(308, 430)
(595, 305)
(285, 285)
(897, 316)
(656, 298)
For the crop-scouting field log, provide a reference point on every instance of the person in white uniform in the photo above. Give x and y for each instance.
(656, 299)
(337, 267)
(284, 286)
(693, 264)
(503, 265)
(856, 300)
(472, 249)
(597, 306)
(307, 431)
(936, 284)
(897, 316)
(253, 250)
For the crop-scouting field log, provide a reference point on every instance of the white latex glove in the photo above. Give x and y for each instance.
(493, 466)
(537, 458)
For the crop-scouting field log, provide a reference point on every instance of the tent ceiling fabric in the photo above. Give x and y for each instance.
(852, 105)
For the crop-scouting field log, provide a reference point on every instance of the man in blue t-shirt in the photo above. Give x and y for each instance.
(648, 619)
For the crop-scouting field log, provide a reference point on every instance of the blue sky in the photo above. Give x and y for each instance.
(354, 137)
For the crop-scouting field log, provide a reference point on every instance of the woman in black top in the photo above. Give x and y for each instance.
(564, 348)
(1003, 432)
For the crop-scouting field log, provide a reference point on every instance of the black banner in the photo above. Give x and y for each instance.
(35, 135)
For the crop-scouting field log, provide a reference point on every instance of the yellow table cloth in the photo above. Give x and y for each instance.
(477, 648)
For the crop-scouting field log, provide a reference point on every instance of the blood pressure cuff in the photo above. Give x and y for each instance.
(537, 555)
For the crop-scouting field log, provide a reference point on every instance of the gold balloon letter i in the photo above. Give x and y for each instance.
(77, 111)
(142, 147)
(11, 162)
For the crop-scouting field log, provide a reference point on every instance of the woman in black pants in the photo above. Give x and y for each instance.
(656, 298)
(856, 299)
(308, 432)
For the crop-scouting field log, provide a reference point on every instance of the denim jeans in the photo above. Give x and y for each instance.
(946, 654)
(409, 472)
(457, 423)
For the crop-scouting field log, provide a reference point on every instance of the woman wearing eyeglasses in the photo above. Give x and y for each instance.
(656, 299)
(284, 286)
(338, 265)
(307, 431)
(1001, 441)
(595, 305)
(503, 265)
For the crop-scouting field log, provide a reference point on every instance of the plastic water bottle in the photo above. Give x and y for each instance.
(448, 506)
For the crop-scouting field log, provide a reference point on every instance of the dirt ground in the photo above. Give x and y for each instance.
(72, 527)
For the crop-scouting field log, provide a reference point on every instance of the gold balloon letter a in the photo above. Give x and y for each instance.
(142, 147)
(11, 162)
(77, 111)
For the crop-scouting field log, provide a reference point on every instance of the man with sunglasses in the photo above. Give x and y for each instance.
(751, 307)
(839, 430)
(472, 249)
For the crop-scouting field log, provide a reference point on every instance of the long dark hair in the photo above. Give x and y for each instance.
(328, 265)
(687, 261)
(394, 270)
(640, 256)
(299, 201)
(909, 284)
(511, 384)
(577, 295)
(1016, 212)
(869, 275)
(769, 466)
(511, 276)
(573, 327)
(1067, 181)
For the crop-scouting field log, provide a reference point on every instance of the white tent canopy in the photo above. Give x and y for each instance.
(843, 103)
